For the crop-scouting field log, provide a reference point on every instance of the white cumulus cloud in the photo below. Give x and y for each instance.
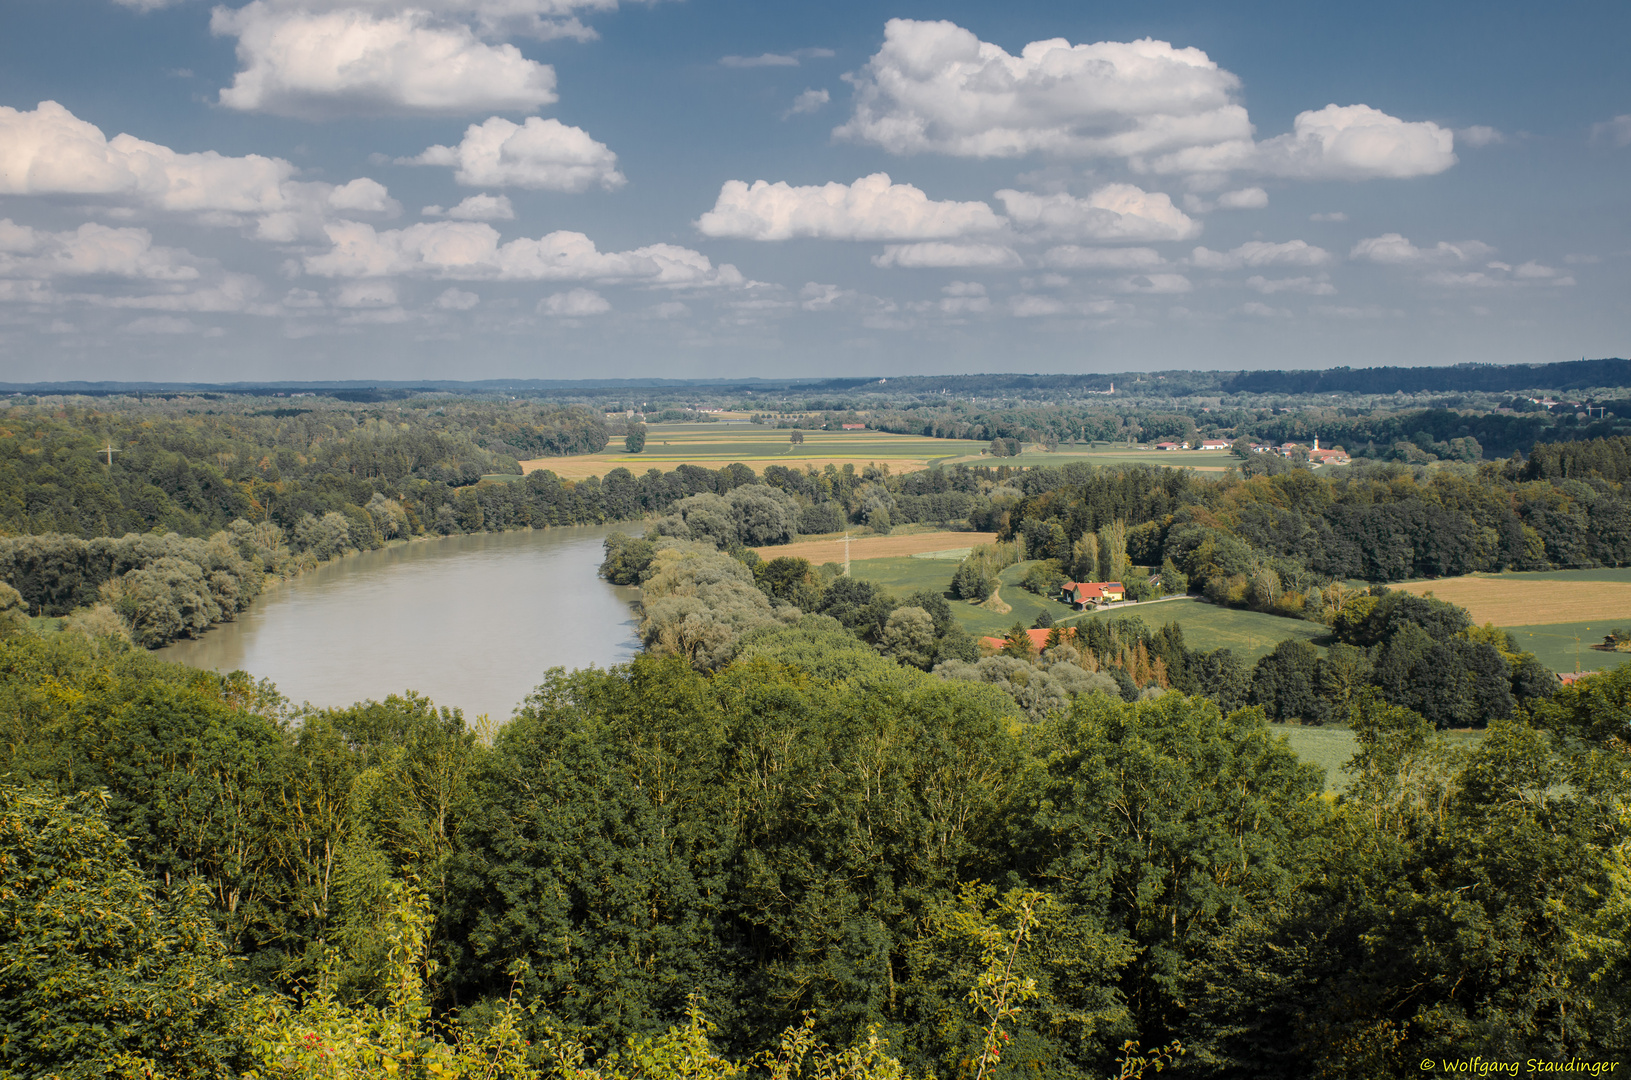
(574, 304)
(1252, 198)
(935, 86)
(1260, 253)
(1479, 135)
(363, 195)
(1113, 212)
(542, 19)
(872, 208)
(807, 102)
(932, 254)
(1394, 249)
(303, 62)
(92, 250)
(476, 208)
(471, 251)
(538, 153)
(1154, 283)
(50, 151)
(1357, 142)
(1534, 271)
(762, 60)
(1500, 275)
(1338, 142)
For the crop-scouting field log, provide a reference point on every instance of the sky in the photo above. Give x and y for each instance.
(568, 189)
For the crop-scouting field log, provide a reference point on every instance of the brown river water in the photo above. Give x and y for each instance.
(471, 622)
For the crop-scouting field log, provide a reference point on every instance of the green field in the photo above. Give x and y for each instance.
(1560, 645)
(726, 443)
(1249, 633)
(1331, 747)
(1117, 455)
(1602, 573)
(1328, 747)
(908, 574)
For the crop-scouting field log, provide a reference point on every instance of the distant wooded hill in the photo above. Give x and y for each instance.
(1458, 378)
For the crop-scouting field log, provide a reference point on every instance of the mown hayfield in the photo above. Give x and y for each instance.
(1251, 634)
(1514, 600)
(831, 549)
(714, 445)
(903, 575)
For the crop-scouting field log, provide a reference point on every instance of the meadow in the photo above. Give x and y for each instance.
(1206, 626)
(1251, 634)
(1565, 647)
(1330, 747)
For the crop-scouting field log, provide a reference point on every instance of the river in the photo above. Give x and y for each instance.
(471, 622)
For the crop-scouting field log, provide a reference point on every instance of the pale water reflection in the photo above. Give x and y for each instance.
(469, 621)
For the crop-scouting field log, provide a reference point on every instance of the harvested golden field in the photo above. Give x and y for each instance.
(1516, 602)
(876, 547)
(713, 446)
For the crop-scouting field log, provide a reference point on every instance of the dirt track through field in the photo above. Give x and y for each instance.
(876, 547)
(1509, 602)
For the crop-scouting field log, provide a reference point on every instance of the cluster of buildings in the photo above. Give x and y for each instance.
(1335, 456)
(1208, 444)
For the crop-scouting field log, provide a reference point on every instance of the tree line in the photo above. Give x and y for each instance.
(655, 864)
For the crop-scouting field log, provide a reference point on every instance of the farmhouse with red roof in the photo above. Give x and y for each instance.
(1332, 456)
(1039, 638)
(1085, 594)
